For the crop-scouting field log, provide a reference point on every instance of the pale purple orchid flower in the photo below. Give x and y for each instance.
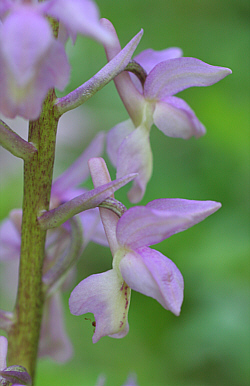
(64, 188)
(131, 381)
(168, 73)
(54, 340)
(11, 374)
(3, 352)
(135, 265)
(31, 60)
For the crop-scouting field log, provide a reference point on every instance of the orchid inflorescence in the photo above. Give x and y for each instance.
(33, 62)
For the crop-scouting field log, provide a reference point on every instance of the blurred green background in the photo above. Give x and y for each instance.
(209, 343)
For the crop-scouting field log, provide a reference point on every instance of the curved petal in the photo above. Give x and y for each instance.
(78, 172)
(196, 211)
(115, 137)
(54, 341)
(132, 99)
(25, 38)
(107, 297)
(5, 5)
(100, 175)
(149, 58)
(135, 155)
(153, 274)
(26, 101)
(3, 352)
(92, 227)
(78, 16)
(142, 226)
(174, 75)
(175, 118)
(10, 241)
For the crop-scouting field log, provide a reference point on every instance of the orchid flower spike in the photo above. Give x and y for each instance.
(135, 265)
(31, 60)
(167, 73)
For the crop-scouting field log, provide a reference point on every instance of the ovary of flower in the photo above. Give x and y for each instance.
(135, 266)
(168, 73)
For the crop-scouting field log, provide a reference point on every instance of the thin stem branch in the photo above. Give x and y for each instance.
(99, 80)
(16, 145)
(56, 217)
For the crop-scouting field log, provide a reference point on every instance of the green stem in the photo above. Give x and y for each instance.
(24, 334)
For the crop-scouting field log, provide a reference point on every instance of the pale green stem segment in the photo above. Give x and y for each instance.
(6, 320)
(99, 80)
(56, 217)
(57, 273)
(16, 145)
(24, 333)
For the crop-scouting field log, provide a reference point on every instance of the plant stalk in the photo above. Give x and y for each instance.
(24, 334)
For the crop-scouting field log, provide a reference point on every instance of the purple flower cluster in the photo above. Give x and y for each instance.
(32, 60)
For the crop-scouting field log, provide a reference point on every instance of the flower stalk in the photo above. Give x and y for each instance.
(14, 143)
(24, 333)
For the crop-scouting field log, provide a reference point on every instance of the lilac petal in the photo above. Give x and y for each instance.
(195, 210)
(26, 101)
(55, 70)
(153, 274)
(5, 5)
(149, 58)
(107, 297)
(175, 75)
(79, 16)
(3, 352)
(25, 38)
(10, 241)
(115, 137)
(130, 96)
(135, 155)
(78, 172)
(92, 227)
(142, 226)
(54, 341)
(131, 381)
(100, 175)
(175, 118)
